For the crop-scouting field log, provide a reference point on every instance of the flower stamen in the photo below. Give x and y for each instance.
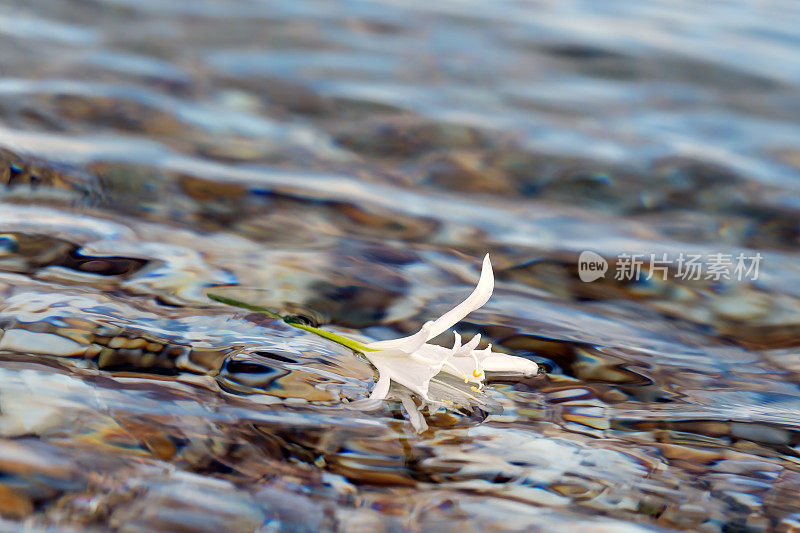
(477, 372)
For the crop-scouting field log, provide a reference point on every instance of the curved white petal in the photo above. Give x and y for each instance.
(500, 362)
(479, 296)
(466, 350)
(410, 370)
(456, 343)
(381, 388)
(414, 416)
(406, 344)
(434, 352)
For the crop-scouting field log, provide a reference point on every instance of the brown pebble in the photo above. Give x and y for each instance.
(695, 455)
(136, 343)
(147, 360)
(93, 350)
(109, 357)
(154, 347)
(117, 342)
(14, 504)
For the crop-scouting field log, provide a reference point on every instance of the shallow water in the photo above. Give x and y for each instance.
(351, 163)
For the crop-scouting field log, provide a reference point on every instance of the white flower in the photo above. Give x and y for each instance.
(412, 362)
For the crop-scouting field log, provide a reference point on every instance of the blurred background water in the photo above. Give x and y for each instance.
(351, 162)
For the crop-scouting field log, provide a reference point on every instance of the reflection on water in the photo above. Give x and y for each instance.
(349, 163)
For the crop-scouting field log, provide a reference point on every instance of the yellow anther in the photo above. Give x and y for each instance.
(477, 373)
(475, 389)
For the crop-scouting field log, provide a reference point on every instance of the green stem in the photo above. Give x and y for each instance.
(338, 339)
(237, 303)
(344, 341)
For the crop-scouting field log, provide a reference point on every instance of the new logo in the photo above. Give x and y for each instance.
(591, 266)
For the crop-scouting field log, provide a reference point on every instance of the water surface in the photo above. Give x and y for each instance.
(351, 163)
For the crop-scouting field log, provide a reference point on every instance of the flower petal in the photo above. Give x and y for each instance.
(434, 352)
(466, 350)
(462, 367)
(412, 371)
(381, 388)
(500, 362)
(453, 394)
(481, 294)
(407, 344)
(456, 343)
(414, 416)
